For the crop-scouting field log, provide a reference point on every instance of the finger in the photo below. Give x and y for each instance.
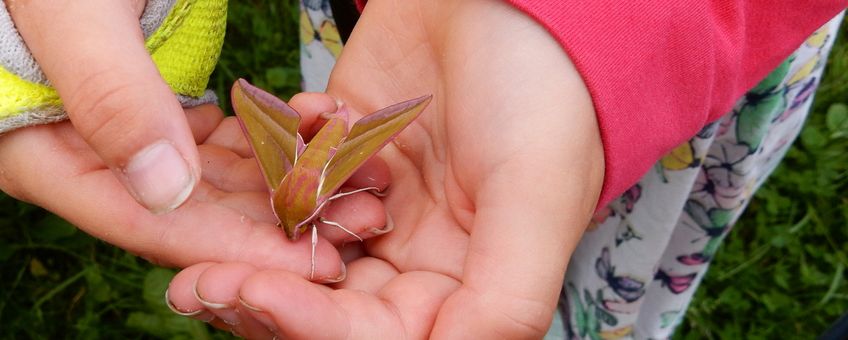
(57, 172)
(203, 120)
(367, 274)
(217, 289)
(230, 136)
(228, 171)
(180, 293)
(252, 205)
(350, 252)
(94, 55)
(522, 238)
(210, 292)
(310, 105)
(405, 308)
(353, 218)
(374, 173)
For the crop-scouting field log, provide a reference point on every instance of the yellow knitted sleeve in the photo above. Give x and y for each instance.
(185, 48)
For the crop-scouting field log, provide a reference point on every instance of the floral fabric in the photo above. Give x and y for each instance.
(637, 267)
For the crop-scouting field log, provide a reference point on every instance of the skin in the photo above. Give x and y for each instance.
(117, 104)
(492, 187)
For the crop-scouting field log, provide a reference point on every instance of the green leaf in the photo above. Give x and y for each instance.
(812, 137)
(148, 323)
(280, 77)
(6, 251)
(52, 228)
(155, 283)
(837, 118)
(98, 288)
(778, 241)
(37, 268)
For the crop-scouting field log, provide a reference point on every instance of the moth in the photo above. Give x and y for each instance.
(304, 178)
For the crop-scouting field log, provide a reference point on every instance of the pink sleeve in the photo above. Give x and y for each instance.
(659, 70)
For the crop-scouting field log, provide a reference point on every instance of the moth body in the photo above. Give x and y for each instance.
(301, 178)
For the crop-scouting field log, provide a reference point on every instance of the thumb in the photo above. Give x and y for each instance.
(93, 53)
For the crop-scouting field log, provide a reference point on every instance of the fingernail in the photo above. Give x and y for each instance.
(160, 178)
(222, 311)
(208, 304)
(340, 278)
(177, 311)
(390, 225)
(260, 315)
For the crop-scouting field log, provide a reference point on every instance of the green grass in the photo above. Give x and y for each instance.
(780, 273)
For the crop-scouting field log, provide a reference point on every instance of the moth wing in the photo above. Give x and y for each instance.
(271, 128)
(367, 137)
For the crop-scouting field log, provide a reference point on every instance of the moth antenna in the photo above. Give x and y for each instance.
(343, 194)
(314, 245)
(337, 225)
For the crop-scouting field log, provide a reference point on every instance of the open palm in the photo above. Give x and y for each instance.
(491, 187)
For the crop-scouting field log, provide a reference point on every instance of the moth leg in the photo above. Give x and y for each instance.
(337, 225)
(374, 190)
(314, 245)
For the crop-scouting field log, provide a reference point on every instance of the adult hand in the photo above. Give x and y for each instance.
(492, 186)
(227, 218)
(127, 131)
(93, 53)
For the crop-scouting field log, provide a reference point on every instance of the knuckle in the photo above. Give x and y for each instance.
(138, 7)
(529, 328)
(526, 319)
(518, 317)
(103, 105)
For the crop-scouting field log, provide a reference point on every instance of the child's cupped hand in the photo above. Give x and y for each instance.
(492, 187)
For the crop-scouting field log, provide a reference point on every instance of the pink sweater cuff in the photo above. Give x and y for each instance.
(360, 4)
(659, 70)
